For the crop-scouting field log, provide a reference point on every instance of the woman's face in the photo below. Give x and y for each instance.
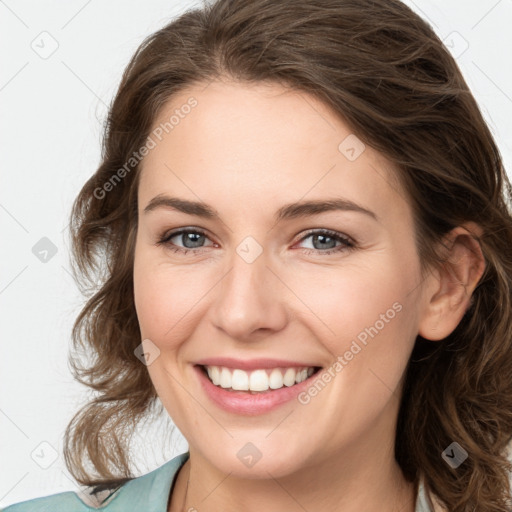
(298, 254)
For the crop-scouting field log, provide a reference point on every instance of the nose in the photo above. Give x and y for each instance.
(250, 300)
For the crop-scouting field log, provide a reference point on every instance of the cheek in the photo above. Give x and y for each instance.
(167, 299)
(350, 300)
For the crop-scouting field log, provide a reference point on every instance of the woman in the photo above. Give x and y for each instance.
(301, 228)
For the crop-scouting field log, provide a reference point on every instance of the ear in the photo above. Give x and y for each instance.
(450, 288)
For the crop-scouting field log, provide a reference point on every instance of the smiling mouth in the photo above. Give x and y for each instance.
(257, 381)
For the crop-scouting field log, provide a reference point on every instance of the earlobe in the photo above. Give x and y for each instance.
(451, 287)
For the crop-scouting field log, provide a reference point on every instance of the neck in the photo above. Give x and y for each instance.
(376, 486)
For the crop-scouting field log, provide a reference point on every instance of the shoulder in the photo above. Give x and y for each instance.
(63, 501)
(148, 492)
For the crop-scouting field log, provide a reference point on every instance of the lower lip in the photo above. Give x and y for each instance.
(243, 402)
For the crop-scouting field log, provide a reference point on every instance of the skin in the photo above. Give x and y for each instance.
(247, 150)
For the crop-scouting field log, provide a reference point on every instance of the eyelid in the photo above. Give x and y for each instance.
(330, 232)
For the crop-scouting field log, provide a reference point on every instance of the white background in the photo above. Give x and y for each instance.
(52, 111)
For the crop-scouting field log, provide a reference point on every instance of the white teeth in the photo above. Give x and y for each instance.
(289, 377)
(302, 375)
(225, 378)
(275, 380)
(257, 380)
(240, 380)
(214, 374)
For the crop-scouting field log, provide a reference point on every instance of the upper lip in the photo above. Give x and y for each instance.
(252, 364)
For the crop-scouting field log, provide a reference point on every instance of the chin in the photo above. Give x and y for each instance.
(261, 459)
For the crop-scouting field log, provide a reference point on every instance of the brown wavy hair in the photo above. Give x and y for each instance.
(389, 77)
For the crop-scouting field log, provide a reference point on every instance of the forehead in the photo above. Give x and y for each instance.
(254, 143)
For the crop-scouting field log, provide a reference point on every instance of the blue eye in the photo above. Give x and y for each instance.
(193, 238)
(197, 238)
(327, 237)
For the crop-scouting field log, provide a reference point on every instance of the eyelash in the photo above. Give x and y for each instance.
(347, 243)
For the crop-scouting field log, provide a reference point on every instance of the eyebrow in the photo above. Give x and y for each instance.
(286, 212)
